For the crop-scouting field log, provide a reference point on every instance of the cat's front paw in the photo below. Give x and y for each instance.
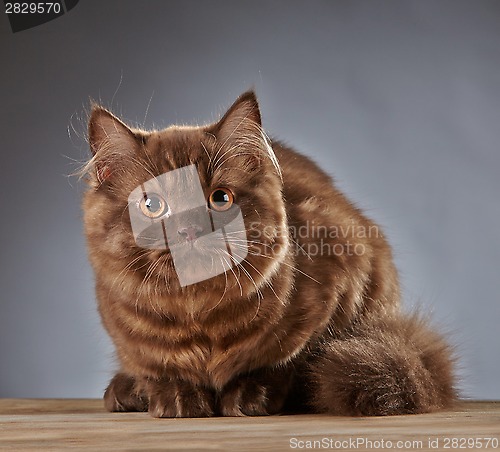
(122, 395)
(176, 398)
(244, 397)
(256, 394)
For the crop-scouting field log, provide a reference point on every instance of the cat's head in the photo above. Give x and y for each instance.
(186, 209)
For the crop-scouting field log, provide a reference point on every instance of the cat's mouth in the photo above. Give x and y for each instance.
(201, 248)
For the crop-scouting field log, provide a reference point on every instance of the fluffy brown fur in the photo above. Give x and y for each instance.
(309, 319)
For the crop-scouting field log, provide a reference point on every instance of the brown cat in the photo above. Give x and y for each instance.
(306, 316)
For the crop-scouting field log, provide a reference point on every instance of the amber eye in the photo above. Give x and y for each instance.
(153, 206)
(221, 199)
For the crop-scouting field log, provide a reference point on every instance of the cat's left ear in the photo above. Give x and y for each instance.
(241, 120)
(240, 132)
(111, 141)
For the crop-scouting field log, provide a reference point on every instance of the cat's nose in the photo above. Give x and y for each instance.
(191, 232)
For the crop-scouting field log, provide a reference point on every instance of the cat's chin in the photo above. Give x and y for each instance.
(195, 268)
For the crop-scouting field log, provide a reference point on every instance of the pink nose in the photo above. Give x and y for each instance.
(190, 233)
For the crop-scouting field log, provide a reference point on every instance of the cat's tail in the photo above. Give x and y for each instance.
(385, 366)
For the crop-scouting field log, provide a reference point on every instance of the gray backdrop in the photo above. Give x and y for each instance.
(398, 99)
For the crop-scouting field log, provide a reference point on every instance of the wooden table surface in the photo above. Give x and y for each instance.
(61, 424)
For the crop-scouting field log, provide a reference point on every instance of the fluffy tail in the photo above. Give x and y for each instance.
(393, 365)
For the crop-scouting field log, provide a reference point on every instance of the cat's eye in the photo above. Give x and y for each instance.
(153, 206)
(221, 199)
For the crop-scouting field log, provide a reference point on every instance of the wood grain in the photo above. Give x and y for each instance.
(61, 424)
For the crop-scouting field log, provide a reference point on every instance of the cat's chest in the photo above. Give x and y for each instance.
(213, 358)
(148, 342)
(187, 350)
(217, 358)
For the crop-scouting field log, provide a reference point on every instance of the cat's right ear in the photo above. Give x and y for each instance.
(111, 141)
